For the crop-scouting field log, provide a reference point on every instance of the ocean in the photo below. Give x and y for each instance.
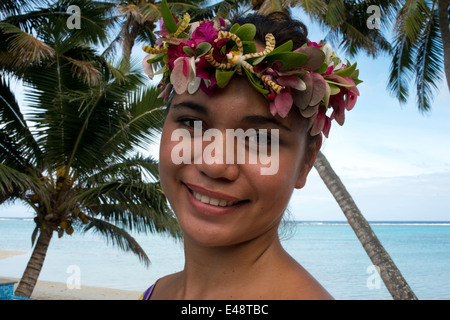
(330, 251)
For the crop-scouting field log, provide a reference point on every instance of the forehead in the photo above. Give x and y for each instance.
(239, 100)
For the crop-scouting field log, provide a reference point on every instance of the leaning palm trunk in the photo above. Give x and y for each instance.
(33, 269)
(392, 278)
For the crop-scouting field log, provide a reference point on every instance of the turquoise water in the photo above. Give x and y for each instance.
(330, 251)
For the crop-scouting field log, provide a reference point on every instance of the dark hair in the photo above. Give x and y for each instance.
(280, 24)
(283, 28)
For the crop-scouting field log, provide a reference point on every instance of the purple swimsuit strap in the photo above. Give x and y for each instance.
(148, 292)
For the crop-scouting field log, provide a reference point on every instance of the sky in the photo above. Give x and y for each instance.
(393, 159)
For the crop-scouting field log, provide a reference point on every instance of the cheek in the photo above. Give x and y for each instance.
(167, 168)
(274, 191)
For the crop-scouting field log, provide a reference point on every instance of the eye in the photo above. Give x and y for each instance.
(191, 123)
(260, 138)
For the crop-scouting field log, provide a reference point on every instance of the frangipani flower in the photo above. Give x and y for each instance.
(148, 67)
(183, 74)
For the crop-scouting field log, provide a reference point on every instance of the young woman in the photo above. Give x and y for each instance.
(228, 210)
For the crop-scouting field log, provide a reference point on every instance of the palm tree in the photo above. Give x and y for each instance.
(420, 49)
(137, 20)
(344, 21)
(390, 274)
(72, 157)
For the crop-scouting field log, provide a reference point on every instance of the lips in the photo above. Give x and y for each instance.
(212, 198)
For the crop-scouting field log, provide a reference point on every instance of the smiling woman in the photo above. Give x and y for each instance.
(245, 78)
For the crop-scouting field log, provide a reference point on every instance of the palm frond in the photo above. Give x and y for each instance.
(19, 149)
(23, 47)
(85, 70)
(141, 13)
(55, 116)
(401, 68)
(345, 23)
(225, 9)
(180, 7)
(131, 202)
(141, 121)
(410, 20)
(105, 113)
(336, 13)
(93, 21)
(137, 217)
(314, 8)
(147, 167)
(12, 8)
(118, 237)
(13, 181)
(429, 62)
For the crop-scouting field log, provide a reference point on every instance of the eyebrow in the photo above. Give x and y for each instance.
(191, 105)
(262, 120)
(254, 119)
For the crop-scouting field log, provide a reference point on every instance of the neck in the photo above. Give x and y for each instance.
(216, 272)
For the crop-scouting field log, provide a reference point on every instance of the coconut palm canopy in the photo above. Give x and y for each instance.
(71, 156)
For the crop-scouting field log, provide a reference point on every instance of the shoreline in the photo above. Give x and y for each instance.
(5, 254)
(47, 290)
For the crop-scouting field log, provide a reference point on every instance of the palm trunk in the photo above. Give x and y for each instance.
(445, 35)
(130, 35)
(392, 278)
(33, 269)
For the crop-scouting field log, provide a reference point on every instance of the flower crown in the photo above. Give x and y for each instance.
(204, 55)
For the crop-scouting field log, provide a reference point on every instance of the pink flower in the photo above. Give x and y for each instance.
(175, 52)
(314, 44)
(338, 104)
(329, 70)
(321, 124)
(183, 74)
(350, 100)
(205, 32)
(292, 81)
(282, 103)
(344, 100)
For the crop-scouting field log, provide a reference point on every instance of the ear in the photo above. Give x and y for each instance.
(308, 162)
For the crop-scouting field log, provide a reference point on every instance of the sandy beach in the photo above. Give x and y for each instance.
(5, 254)
(46, 290)
(58, 291)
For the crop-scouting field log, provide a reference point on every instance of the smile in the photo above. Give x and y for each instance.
(213, 201)
(212, 198)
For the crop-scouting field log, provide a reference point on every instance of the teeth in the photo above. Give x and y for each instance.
(213, 201)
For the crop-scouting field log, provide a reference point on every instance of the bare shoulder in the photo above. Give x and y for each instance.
(296, 283)
(164, 286)
(304, 286)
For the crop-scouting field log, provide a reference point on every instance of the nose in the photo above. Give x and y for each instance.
(213, 160)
